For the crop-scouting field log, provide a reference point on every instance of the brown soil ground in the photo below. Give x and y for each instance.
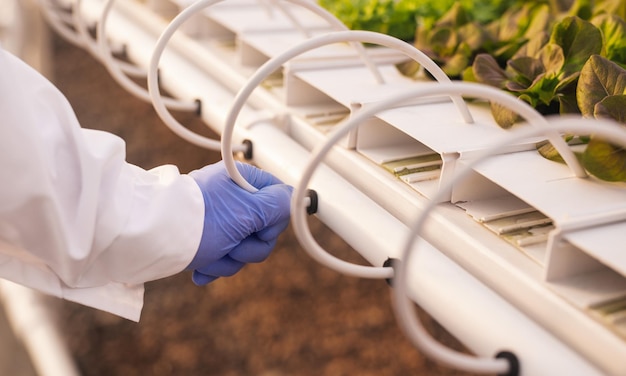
(286, 316)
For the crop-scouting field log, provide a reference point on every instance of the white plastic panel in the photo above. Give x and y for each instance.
(605, 243)
(264, 17)
(573, 220)
(551, 187)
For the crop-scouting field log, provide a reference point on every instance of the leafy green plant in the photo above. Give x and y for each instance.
(395, 18)
(613, 29)
(568, 75)
(560, 56)
(602, 94)
(544, 75)
(400, 18)
(452, 41)
(516, 26)
(614, 7)
(459, 34)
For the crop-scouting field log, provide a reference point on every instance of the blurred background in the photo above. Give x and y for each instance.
(286, 316)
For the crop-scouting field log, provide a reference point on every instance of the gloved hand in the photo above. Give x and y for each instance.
(239, 227)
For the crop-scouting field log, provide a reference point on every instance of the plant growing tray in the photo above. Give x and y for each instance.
(584, 262)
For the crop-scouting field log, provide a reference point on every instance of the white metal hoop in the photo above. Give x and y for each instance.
(403, 307)
(59, 25)
(92, 47)
(299, 221)
(121, 78)
(167, 34)
(335, 37)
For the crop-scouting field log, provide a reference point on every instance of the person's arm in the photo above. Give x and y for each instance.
(77, 221)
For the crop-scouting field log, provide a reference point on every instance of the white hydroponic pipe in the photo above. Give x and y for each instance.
(32, 323)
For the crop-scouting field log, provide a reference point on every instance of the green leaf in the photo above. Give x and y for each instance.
(527, 69)
(599, 78)
(544, 88)
(506, 27)
(508, 50)
(616, 7)
(473, 35)
(613, 30)
(559, 6)
(566, 94)
(394, 17)
(580, 8)
(552, 58)
(468, 75)
(456, 64)
(605, 161)
(534, 45)
(568, 83)
(456, 16)
(567, 103)
(409, 68)
(579, 40)
(540, 20)
(522, 21)
(485, 11)
(548, 151)
(613, 107)
(503, 116)
(486, 70)
(444, 41)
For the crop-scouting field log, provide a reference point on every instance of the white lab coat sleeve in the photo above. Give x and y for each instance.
(76, 220)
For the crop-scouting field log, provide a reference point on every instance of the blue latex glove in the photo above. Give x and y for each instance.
(239, 227)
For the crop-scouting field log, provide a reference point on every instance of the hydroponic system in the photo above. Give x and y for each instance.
(472, 152)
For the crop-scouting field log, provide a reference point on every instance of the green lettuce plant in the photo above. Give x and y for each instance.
(451, 41)
(519, 24)
(397, 18)
(602, 94)
(560, 56)
(613, 29)
(569, 74)
(458, 35)
(400, 18)
(545, 71)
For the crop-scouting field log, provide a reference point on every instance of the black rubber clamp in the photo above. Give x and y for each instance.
(123, 52)
(514, 365)
(312, 208)
(389, 263)
(198, 103)
(248, 153)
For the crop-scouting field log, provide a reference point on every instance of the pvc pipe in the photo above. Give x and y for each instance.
(32, 323)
